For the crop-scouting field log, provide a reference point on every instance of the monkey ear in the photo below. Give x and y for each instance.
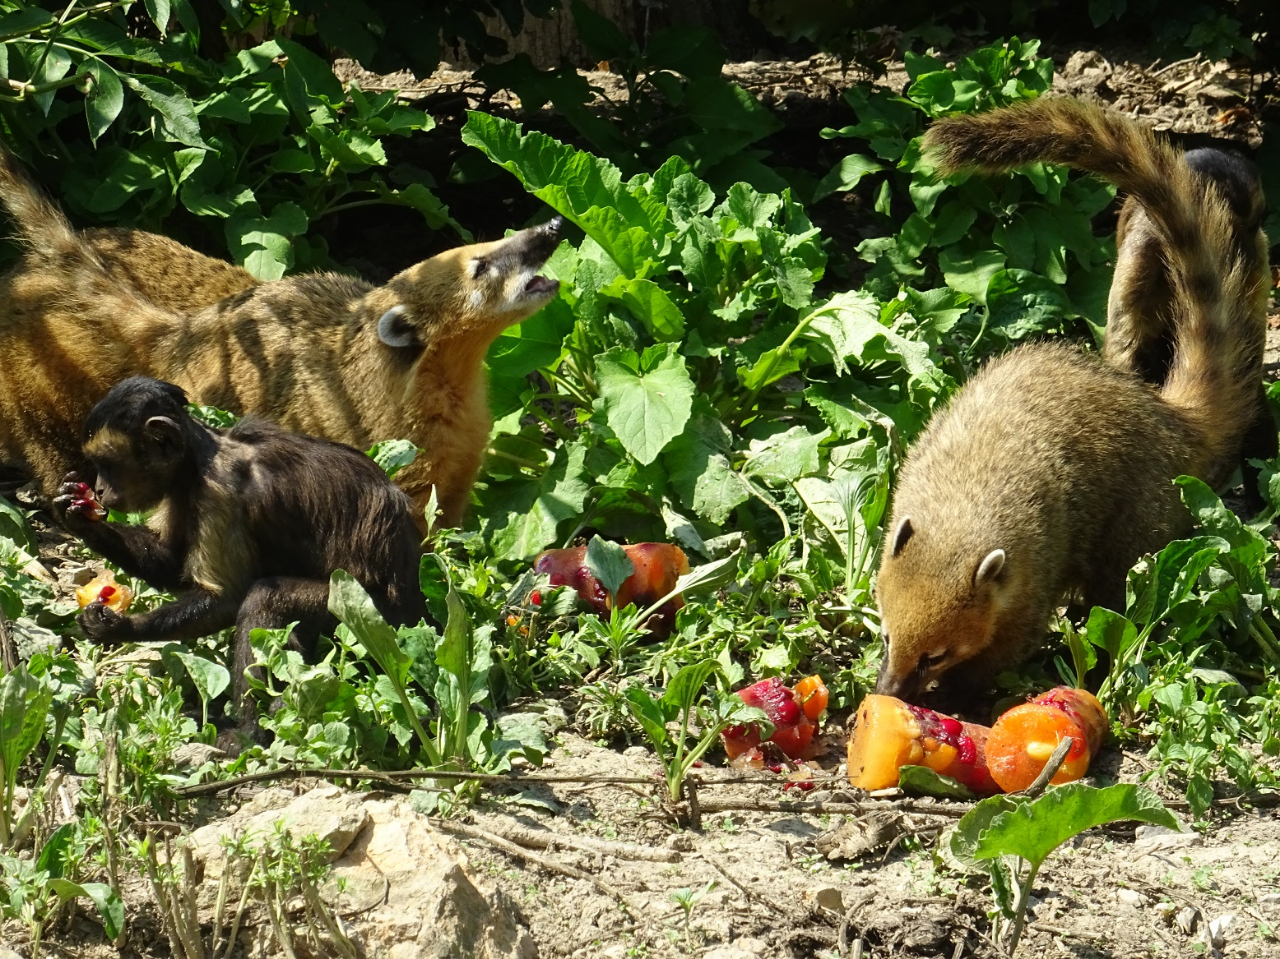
(991, 567)
(394, 329)
(901, 535)
(164, 431)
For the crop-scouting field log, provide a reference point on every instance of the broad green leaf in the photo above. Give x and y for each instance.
(709, 576)
(53, 854)
(353, 606)
(609, 563)
(394, 455)
(687, 684)
(166, 98)
(1109, 630)
(158, 11)
(784, 457)
(104, 99)
(650, 304)
(1023, 304)
(698, 464)
(24, 705)
(526, 519)
(845, 175)
(23, 21)
(649, 714)
(923, 781)
(107, 901)
(970, 271)
(961, 840)
(1034, 829)
(209, 678)
(646, 400)
(688, 197)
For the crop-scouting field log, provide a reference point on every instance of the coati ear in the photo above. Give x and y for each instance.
(901, 535)
(991, 566)
(394, 329)
(165, 432)
(479, 266)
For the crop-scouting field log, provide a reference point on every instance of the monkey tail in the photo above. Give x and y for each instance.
(39, 224)
(1217, 363)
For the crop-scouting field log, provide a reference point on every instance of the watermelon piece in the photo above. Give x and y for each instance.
(1024, 737)
(889, 734)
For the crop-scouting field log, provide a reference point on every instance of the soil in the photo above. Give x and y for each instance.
(773, 883)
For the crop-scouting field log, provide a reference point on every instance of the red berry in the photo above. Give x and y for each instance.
(968, 752)
(105, 594)
(536, 597)
(951, 729)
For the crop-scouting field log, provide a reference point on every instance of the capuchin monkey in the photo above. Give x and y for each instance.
(247, 526)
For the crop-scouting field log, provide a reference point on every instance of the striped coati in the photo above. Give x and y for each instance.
(323, 354)
(1140, 333)
(1051, 471)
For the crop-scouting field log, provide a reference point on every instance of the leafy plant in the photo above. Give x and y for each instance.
(681, 705)
(24, 706)
(1012, 836)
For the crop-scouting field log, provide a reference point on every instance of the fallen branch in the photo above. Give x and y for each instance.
(545, 839)
(750, 893)
(948, 810)
(505, 845)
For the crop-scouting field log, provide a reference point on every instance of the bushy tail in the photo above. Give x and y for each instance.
(1218, 355)
(38, 221)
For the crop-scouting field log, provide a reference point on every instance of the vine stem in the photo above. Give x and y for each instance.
(1020, 917)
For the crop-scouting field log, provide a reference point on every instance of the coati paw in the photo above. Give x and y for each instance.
(77, 498)
(102, 624)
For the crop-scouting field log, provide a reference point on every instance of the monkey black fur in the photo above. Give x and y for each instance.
(247, 526)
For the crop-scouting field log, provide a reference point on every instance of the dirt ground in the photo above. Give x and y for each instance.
(809, 882)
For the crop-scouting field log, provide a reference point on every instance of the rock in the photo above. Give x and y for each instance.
(1185, 919)
(1157, 838)
(1130, 897)
(825, 899)
(326, 811)
(636, 752)
(1215, 933)
(194, 755)
(433, 909)
(1269, 899)
(681, 842)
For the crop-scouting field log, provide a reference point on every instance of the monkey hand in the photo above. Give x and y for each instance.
(102, 625)
(76, 498)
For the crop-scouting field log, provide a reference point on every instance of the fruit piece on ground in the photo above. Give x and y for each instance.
(1024, 737)
(813, 696)
(889, 734)
(657, 568)
(793, 729)
(104, 589)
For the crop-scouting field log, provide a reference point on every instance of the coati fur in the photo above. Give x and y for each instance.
(247, 528)
(324, 354)
(1140, 335)
(1051, 471)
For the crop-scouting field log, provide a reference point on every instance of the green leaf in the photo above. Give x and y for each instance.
(107, 901)
(1033, 829)
(609, 563)
(970, 272)
(709, 576)
(525, 519)
(646, 400)
(784, 457)
(24, 705)
(104, 99)
(262, 244)
(53, 854)
(1109, 630)
(177, 113)
(1024, 303)
(698, 464)
(649, 715)
(651, 305)
(24, 21)
(158, 11)
(209, 678)
(923, 781)
(393, 455)
(686, 686)
(845, 175)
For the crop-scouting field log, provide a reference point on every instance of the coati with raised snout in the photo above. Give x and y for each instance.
(1140, 310)
(1051, 470)
(248, 526)
(325, 354)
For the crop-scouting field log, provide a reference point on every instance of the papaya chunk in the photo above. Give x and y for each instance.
(1024, 737)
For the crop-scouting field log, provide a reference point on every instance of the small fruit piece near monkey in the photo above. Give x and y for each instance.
(889, 734)
(657, 567)
(85, 503)
(104, 589)
(793, 712)
(1024, 737)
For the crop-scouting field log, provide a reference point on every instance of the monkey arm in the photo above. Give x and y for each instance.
(135, 549)
(194, 614)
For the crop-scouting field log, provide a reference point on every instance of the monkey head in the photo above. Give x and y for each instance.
(471, 292)
(139, 437)
(938, 607)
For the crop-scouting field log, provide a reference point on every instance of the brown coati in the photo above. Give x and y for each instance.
(1051, 471)
(247, 527)
(1140, 334)
(168, 274)
(324, 354)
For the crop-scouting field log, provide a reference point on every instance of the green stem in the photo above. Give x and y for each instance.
(352, 205)
(556, 427)
(746, 401)
(1020, 914)
(519, 460)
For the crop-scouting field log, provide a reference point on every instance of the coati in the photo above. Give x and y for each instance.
(165, 272)
(1140, 335)
(248, 526)
(1051, 470)
(325, 354)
